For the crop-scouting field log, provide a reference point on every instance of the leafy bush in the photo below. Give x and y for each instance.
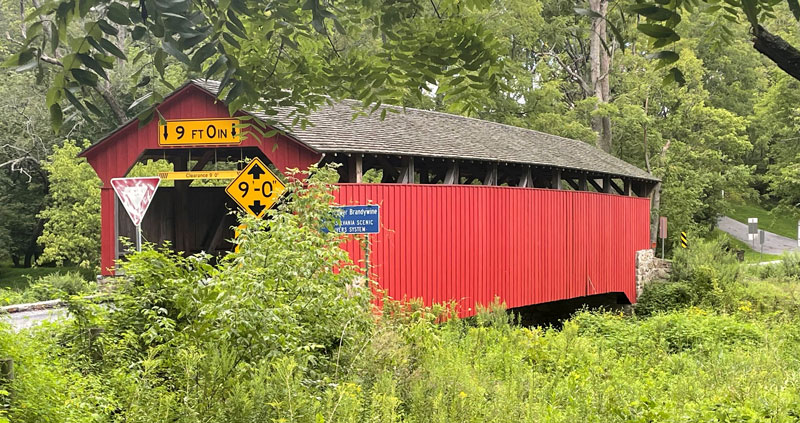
(706, 266)
(788, 267)
(704, 274)
(49, 287)
(58, 285)
(71, 232)
(665, 296)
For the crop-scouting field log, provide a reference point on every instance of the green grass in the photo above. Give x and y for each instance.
(18, 278)
(750, 255)
(785, 225)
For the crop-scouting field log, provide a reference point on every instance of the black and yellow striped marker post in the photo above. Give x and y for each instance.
(684, 240)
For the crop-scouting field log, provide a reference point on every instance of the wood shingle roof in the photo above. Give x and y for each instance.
(425, 133)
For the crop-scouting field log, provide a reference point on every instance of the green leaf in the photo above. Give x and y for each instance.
(83, 7)
(232, 18)
(617, 35)
(202, 54)
(107, 28)
(56, 117)
(118, 14)
(94, 44)
(794, 6)
(663, 42)
(158, 62)
(588, 12)
(665, 56)
(656, 31)
(94, 109)
(235, 30)
(174, 51)
(230, 40)
(53, 95)
(143, 82)
(75, 102)
(140, 100)
(111, 48)
(215, 67)
(92, 64)
(138, 56)
(146, 116)
(138, 32)
(750, 8)
(84, 77)
(652, 12)
(235, 92)
(674, 75)
(27, 66)
(55, 38)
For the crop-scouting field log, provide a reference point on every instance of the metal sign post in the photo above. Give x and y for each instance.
(761, 238)
(139, 238)
(367, 249)
(752, 229)
(662, 233)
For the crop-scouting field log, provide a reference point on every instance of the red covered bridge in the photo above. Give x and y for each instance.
(470, 210)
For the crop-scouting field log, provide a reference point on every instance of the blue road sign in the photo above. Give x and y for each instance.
(359, 220)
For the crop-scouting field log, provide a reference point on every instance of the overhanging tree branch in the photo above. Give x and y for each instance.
(778, 50)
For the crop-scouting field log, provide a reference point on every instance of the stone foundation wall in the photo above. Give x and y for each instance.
(650, 268)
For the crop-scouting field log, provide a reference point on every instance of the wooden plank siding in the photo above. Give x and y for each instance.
(522, 245)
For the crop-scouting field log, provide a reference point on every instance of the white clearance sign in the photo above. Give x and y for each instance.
(136, 195)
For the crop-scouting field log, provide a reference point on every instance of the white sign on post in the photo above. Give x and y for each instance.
(752, 228)
(136, 195)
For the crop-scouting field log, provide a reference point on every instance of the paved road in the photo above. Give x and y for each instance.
(773, 243)
(26, 319)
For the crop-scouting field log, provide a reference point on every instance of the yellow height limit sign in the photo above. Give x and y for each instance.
(256, 189)
(199, 132)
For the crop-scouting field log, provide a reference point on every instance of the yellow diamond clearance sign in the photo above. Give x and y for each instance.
(256, 189)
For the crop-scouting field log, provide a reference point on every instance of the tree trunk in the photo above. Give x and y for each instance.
(116, 108)
(599, 64)
(644, 136)
(655, 206)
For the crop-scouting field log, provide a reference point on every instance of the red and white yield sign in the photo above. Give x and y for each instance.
(136, 195)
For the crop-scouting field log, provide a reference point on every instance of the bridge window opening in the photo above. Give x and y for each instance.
(392, 169)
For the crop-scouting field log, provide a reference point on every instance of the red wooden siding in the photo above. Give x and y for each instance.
(526, 246)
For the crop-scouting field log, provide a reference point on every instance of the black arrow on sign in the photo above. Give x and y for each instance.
(256, 171)
(165, 131)
(256, 207)
(233, 130)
